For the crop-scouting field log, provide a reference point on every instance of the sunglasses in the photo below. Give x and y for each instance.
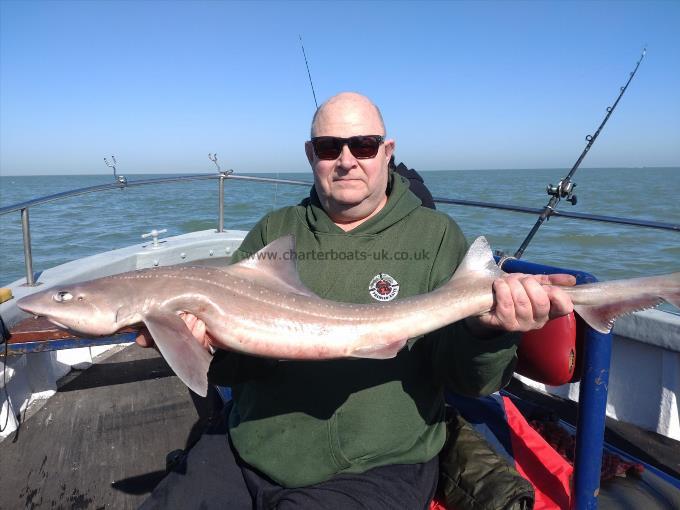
(361, 147)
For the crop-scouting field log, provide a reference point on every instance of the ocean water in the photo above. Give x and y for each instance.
(75, 227)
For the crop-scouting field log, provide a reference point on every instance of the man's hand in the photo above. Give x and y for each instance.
(522, 303)
(195, 325)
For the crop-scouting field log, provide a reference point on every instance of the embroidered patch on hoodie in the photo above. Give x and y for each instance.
(383, 287)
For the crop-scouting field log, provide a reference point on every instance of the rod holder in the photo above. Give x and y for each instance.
(28, 256)
(220, 214)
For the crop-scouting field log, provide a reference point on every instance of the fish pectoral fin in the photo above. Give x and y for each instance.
(185, 355)
(380, 351)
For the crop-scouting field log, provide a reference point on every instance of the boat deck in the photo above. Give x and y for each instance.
(655, 449)
(648, 491)
(101, 441)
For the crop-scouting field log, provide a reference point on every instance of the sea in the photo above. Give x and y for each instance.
(75, 227)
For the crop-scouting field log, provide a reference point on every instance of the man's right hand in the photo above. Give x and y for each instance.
(195, 325)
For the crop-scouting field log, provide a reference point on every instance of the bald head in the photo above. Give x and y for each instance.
(351, 107)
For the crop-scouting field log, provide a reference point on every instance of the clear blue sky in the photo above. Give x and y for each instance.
(461, 85)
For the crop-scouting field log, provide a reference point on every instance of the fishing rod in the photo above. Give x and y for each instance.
(308, 73)
(561, 187)
(565, 188)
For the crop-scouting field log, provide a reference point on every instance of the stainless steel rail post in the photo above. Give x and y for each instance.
(220, 217)
(28, 257)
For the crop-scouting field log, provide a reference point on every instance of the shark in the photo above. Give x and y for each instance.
(259, 306)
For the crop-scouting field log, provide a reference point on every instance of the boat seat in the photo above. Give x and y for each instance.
(38, 335)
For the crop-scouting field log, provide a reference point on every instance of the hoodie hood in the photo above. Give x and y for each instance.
(400, 203)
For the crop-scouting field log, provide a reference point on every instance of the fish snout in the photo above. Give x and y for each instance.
(63, 308)
(33, 304)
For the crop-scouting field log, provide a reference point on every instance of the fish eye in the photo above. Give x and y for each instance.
(62, 296)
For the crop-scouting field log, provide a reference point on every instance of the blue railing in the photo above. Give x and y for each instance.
(592, 406)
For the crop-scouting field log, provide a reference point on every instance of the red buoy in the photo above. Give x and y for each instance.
(549, 355)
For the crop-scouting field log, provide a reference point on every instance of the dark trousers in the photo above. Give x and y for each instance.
(211, 476)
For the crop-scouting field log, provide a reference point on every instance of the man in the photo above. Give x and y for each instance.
(344, 434)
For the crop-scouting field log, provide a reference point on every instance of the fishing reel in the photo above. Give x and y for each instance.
(563, 190)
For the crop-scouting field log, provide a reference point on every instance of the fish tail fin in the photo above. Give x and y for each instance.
(601, 317)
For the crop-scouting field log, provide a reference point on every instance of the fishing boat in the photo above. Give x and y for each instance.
(91, 422)
(85, 428)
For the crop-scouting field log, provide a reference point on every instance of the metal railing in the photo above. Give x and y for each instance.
(595, 361)
(122, 183)
(562, 214)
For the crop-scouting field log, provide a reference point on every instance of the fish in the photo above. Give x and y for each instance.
(259, 306)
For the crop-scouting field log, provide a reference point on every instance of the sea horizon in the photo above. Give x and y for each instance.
(547, 169)
(72, 228)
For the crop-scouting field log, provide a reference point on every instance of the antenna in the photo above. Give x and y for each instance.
(308, 73)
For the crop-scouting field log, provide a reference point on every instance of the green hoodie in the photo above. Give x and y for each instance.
(301, 422)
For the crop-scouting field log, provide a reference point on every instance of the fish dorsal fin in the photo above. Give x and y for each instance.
(273, 267)
(478, 259)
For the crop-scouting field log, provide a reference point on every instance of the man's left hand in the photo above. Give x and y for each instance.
(524, 302)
